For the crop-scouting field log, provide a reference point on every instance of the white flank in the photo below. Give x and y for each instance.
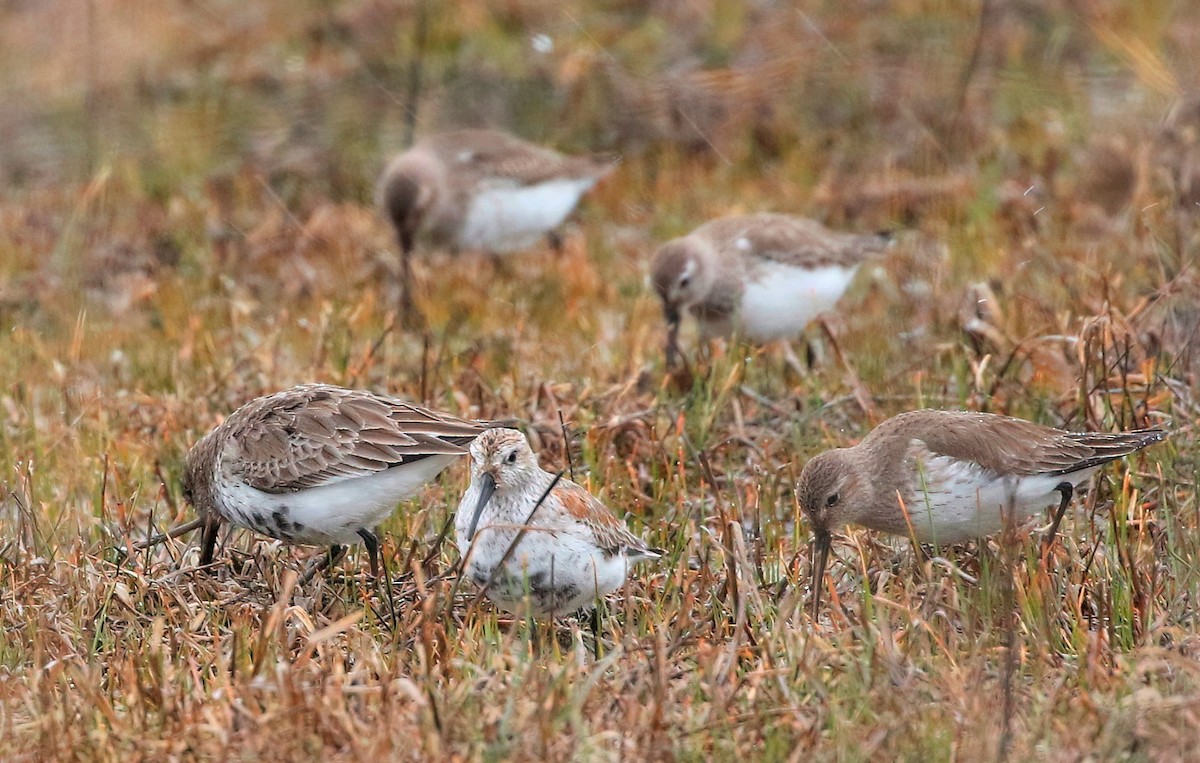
(335, 513)
(780, 300)
(504, 219)
(957, 501)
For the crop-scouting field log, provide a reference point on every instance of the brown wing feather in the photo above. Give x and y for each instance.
(496, 155)
(796, 241)
(318, 435)
(1107, 446)
(1006, 445)
(611, 533)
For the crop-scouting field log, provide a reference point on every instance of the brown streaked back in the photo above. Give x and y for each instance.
(1006, 445)
(795, 241)
(318, 434)
(491, 154)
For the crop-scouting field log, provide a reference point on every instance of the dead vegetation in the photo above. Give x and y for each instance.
(187, 225)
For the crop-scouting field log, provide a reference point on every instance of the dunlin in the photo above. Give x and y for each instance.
(950, 476)
(481, 189)
(318, 465)
(559, 555)
(763, 276)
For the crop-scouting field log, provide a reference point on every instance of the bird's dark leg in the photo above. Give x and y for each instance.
(208, 540)
(322, 562)
(406, 299)
(410, 317)
(372, 544)
(596, 622)
(1067, 490)
(379, 562)
(555, 240)
(336, 552)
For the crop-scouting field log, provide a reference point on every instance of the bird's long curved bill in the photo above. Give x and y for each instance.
(672, 351)
(822, 541)
(487, 486)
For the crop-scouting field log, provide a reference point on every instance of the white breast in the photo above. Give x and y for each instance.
(331, 513)
(955, 501)
(555, 569)
(780, 300)
(507, 218)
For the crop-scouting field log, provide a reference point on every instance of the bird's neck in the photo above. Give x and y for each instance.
(722, 298)
(880, 508)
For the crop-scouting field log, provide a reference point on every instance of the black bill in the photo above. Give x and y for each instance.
(822, 541)
(672, 350)
(487, 486)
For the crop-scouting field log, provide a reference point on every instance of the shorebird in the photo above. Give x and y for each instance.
(531, 538)
(763, 276)
(951, 476)
(318, 465)
(480, 189)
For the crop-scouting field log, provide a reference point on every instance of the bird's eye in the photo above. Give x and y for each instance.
(511, 458)
(684, 281)
(832, 499)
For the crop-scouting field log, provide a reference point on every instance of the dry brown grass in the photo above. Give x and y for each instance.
(196, 231)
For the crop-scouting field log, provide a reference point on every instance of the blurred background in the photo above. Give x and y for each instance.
(313, 95)
(1045, 152)
(164, 160)
(222, 139)
(186, 222)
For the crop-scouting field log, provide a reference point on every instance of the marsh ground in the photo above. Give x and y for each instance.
(186, 224)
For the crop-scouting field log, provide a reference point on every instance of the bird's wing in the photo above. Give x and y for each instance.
(610, 533)
(1006, 445)
(796, 241)
(496, 156)
(320, 436)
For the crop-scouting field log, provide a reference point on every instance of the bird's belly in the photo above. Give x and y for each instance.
(956, 502)
(504, 219)
(779, 300)
(552, 575)
(329, 514)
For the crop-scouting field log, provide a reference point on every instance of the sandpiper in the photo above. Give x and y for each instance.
(481, 189)
(951, 476)
(318, 465)
(763, 276)
(559, 555)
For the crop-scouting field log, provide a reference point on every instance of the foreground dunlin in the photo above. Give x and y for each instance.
(481, 189)
(763, 276)
(951, 476)
(318, 465)
(558, 556)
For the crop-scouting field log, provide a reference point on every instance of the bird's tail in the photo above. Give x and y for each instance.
(645, 554)
(1109, 446)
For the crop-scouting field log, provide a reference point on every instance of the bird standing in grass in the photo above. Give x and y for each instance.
(952, 476)
(531, 538)
(482, 190)
(761, 276)
(318, 465)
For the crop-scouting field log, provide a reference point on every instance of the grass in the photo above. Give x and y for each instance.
(189, 226)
